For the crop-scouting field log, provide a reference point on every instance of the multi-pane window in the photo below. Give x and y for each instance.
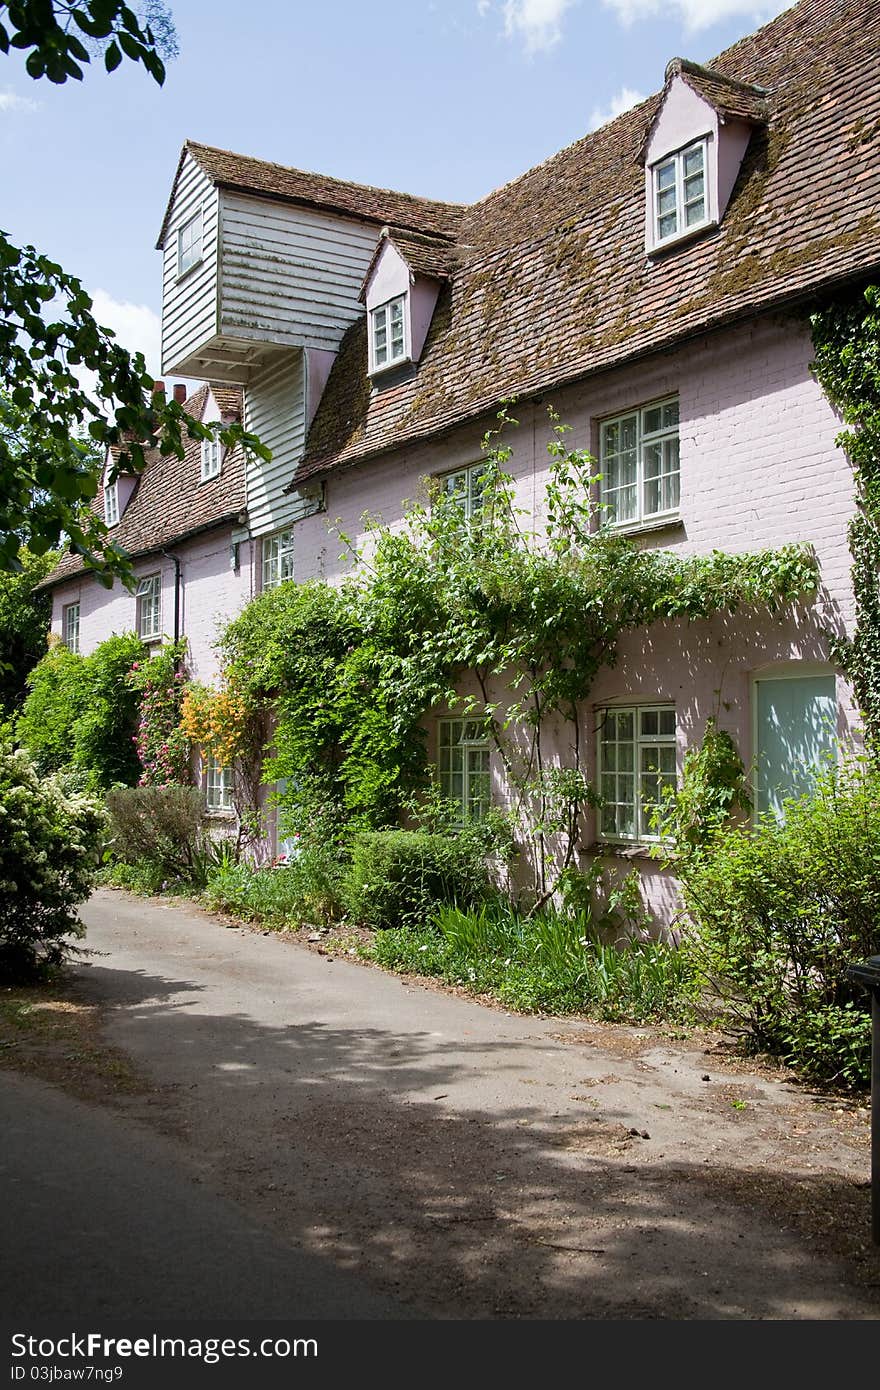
(210, 459)
(111, 504)
(71, 626)
(389, 338)
(189, 244)
(277, 559)
(218, 785)
(680, 192)
(636, 750)
(639, 460)
(466, 486)
(463, 766)
(149, 623)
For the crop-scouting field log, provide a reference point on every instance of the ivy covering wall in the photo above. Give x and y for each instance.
(846, 337)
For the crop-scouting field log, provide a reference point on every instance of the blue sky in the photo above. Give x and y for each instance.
(446, 98)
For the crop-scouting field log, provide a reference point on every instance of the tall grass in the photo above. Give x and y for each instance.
(550, 963)
(308, 890)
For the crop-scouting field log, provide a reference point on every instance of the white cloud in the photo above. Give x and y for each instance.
(622, 101)
(10, 101)
(537, 22)
(136, 326)
(697, 14)
(483, 7)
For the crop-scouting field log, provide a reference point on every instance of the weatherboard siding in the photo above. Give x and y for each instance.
(189, 305)
(275, 409)
(288, 275)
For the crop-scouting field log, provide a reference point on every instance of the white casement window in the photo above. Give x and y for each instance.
(636, 761)
(189, 244)
(277, 559)
(388, 333)
(463, 766)
(639, 461)
(149, 605)
(111, 504)
(210, 459)
(71, 626)
(218, 785)
(680, 197)
(465, 486)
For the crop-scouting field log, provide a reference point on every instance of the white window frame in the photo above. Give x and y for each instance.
(474, 802)
(464, 485)
(149, 607)
(380, 321)
(218, 787)
(644, 439)
(277, 559)
(189, 245)
(111, 503)
(70, 626)
(677, 161)
(641, 832)
(211, 459)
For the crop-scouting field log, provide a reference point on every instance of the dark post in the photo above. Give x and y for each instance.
(868, 976)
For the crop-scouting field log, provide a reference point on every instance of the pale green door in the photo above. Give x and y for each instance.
(796, 729)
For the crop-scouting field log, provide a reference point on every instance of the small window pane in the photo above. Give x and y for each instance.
(693, 161)
(695, 213)
(666, 723)
(666, 175)
(668, 225)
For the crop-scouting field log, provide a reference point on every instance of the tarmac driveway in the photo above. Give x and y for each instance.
(463, 1162)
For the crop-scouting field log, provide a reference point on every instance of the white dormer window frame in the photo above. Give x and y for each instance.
(680, 187)
(390, 334)
(189, 244)
(212, 452)
(111, 503)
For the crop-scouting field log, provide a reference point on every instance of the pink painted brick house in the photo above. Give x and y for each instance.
(652, 282)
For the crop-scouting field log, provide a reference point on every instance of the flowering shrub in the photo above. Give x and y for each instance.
(162, 744)
(219, 721)
(49, 851)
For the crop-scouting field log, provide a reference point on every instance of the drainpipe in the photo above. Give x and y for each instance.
(177, 572)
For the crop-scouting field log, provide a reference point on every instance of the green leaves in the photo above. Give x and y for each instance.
(46, 30)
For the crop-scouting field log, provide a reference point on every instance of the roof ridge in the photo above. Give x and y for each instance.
(328, 178)
(701, 70)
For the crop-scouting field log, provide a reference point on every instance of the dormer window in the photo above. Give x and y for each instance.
(111, 504)
(693, 151)
(388, 335)
(189, 244)
(680, 202)
(210, 459)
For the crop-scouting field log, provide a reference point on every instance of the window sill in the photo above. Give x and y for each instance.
(216, 813)
(185, 274)
(619, 849)
(654, 253)
(647, 528)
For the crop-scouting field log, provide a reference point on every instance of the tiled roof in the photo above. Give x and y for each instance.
(552, 282)
(425, 255)
(743, 99)
(170, 501)
(259, 176)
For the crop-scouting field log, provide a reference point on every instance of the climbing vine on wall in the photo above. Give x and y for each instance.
(846, 337)
(349, 672)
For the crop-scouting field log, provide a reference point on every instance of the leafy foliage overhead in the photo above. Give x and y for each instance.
(58, 34)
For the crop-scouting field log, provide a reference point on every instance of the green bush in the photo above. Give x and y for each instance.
(552, 962)
(780, 912)
(81, 712)
(307, 890)
(398, 878)
(49, 852)
(163, 827)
